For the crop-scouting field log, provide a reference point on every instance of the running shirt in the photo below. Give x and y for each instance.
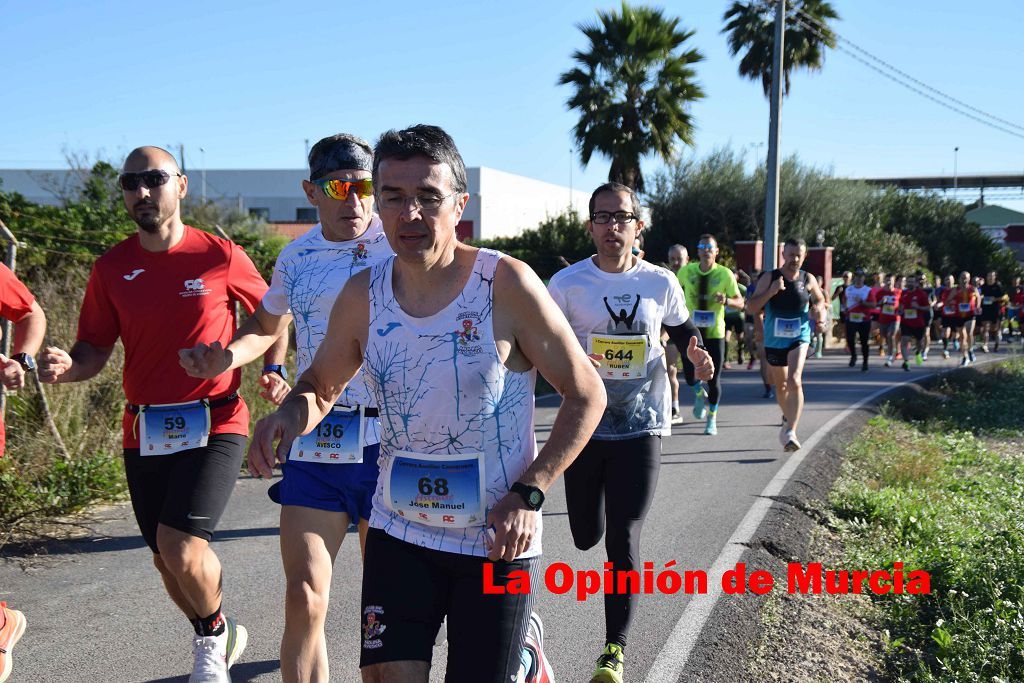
(632, 306)
(910, 301)
(308, 277)
(443, 391)
(962, 302)
(855, 303)
(700, 289)
(992, 300)
(787, 314)
(889, 305)
(15, 303)
(159, 302)
(1017, 305)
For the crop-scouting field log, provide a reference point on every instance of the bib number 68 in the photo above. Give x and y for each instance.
(430, 486)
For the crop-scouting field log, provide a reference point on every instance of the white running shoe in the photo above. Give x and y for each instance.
(215, 654)
(791, 442)
(542, 671)
(783, 434)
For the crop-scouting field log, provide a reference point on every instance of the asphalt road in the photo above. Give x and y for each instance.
(97, 611)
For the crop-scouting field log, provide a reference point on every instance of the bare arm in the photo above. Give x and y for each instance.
(83, 362)
(262, 333)
(29, 331)
(765, 290)
(818, 302)
(336, 362)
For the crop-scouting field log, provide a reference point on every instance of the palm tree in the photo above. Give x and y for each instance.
(751, 27)
(632, 87)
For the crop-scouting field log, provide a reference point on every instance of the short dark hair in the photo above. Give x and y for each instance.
(795, 242)
(421, 140)
(616, 187)
(707, 236)
(338, 152)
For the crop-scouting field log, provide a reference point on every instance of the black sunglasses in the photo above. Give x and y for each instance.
(129, 182)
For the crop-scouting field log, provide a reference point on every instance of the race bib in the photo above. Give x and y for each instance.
(948, 309)
(910, 314)
(987, 300)
(704, 318)
(437, 490)
(965, 308)
(788, 328)
(889, 309)
(856, 317)
(622, 356)
(174, 427)
(337, 440)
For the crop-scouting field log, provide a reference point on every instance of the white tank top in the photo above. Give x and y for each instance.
(442, 389)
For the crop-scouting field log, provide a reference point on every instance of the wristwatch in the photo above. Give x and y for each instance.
(531, 495)
(279, 369)
(26, 361)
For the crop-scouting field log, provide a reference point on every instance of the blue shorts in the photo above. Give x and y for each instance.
(337, 488)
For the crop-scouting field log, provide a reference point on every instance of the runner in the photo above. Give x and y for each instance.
(734, 320)
(963, 298)
(993, 298)
(617, 306)
(858, 302)
(840, 294)
(888, 298)
(792, 303)
(914, 306)
(19, 306)
(326, 485)
(948, 315)
(877, 285)
(167, 287)
(1016, 309)
(677, 258)
(450, 335)
(709, 288)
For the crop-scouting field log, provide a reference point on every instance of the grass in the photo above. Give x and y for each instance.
(930, 483)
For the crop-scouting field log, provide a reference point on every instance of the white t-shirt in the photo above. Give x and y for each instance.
(308, 277)
(856, 295)
(631, 304)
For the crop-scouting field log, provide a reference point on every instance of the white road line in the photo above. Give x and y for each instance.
(668, 665)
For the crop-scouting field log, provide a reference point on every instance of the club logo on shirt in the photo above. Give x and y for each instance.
(361, 253)
(468, 334)
(134, 274)
(195, 287)
(373, 627)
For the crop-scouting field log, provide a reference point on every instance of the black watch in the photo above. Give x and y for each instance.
(279, 369)
(26, 361)
(531, 495)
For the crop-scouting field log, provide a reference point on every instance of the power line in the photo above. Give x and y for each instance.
(959, 108)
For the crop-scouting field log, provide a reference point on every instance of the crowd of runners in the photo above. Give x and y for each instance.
(412, 415)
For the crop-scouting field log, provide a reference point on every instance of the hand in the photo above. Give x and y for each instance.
(703, 366)
(53, 364)
(281, 426)
(720, 298)
(274, 387)
(595, 359)
(204, 361)
(778, 286)
(12, 374)
(514, 526)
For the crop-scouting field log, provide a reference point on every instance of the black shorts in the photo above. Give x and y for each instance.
(990, 316)
(915, 332)
(779, 357)
(734, 322)
(187, 491)
(954, 323)
(409, 589)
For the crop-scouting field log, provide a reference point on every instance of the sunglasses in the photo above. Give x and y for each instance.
(705, 246)
(339, 189)
(129, 182)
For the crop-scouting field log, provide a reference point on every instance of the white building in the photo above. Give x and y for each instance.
(500, 204)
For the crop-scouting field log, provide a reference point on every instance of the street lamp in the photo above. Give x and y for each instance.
(202, 158)
(956, 152)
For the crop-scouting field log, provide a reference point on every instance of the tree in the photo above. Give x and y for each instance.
(751, 28)
(556, 238)
(632, 88)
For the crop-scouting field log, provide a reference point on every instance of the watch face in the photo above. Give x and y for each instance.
(534, 498)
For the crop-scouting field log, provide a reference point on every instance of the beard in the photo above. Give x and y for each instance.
(149, 222)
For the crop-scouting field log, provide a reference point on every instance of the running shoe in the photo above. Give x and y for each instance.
(945, 354)
(888, 362)
(791, 443)
(699, 411)
(970, 354)
(864, 367)
(11, 629)
(727, 366)
(711, 428)
(924, 356)
(984, 348)
(769, 392)
(677, 417)
(918, 358)
(783, 435)
(963, 362)
(750, 365)
(906, 366)
(853, 361)
(609, 665)
(956, 345)
(215, 654)
(817, 354)
(541, 671)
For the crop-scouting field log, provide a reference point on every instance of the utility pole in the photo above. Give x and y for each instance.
(202, 156)
(771, 206)
(956, 153)
(181, 156)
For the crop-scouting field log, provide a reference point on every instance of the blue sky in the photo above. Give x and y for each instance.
(250, 82)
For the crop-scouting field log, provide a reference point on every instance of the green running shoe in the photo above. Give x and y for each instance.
(609, 665)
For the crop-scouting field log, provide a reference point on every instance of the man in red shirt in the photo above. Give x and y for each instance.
(914, 304)
(888, 298)
(168, 287)
(19, 306)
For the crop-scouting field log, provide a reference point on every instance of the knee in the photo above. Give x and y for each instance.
(306, 600)
(179, 557)
(793, 384)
